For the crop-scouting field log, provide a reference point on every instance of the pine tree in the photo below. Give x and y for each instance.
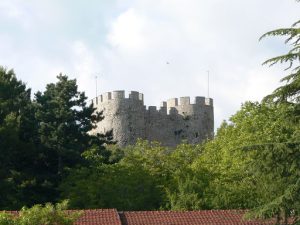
(290, 91)
(64, 121)
(17, 151)
(279, 162)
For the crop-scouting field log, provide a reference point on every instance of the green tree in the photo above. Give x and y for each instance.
(290, 91)
(6, 219)
(112, 186)
(40, 140)
(14, 95)
(187, 192)
(275, 164)
(185, 186)
(38, 214)
(278, 160)
(17, 149)
(64, 120)
(181, 187)
(149, 176)
(234, 181)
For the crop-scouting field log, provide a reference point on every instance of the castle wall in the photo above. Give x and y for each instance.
(159, 126)
(181, 121)
(174, 121)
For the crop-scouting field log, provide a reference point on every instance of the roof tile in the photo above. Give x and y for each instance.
(207, 217)
(99, 217)
(203, 217)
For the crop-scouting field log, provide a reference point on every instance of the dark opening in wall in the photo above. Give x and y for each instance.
(178, 132)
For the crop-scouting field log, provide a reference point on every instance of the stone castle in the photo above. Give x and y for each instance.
(172, 123)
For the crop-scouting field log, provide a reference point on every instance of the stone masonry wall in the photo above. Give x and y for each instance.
(173, 122)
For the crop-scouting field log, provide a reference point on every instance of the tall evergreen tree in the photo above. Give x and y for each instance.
(17, 151)
(40, 139)
(279, 161)
(290, 91)
(64, 121)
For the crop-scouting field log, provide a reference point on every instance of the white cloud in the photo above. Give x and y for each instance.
(84, 66)
(11, 9)
(127, 32)
(142, 35)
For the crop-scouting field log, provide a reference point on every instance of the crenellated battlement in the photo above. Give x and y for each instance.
(162, 110)
(185, 101)
(117, 95)
(135, 95)
(176, 119)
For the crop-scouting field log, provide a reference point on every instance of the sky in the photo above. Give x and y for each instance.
(162, 48)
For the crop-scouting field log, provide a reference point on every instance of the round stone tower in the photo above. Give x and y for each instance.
(125, 116)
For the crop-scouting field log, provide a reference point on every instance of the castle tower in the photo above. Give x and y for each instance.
(172, 123)
(125, 116)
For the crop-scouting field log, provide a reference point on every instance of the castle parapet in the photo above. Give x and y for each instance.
(163, 108)
(152, 109)
(118, 94)
(134, 95)
(203, 101)
(106, 96)
(209, 101)
(172, 102)
(163, 104)
(141, 96)
(184, 100)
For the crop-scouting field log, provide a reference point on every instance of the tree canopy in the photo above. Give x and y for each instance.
(41, 139)
(41, 214)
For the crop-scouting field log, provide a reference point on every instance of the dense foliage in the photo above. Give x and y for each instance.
(41, 139)
(49, 214)
(147, 177)
(18, 153)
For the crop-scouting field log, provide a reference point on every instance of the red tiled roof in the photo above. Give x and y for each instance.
(203, 217)
(207, 217)
(99, 217)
